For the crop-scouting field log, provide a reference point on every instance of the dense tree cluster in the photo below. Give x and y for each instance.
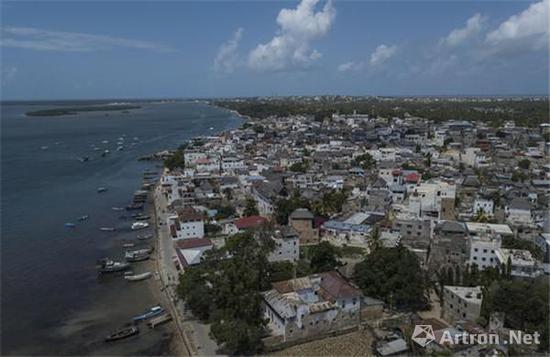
(525, 112)
(225, 290)
(394, 276)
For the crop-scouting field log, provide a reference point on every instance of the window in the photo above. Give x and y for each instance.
(484, 250)
(475, 249)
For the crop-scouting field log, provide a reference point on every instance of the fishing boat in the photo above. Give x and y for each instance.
(150, 313)
(109, 266)
(134, 206)
(128, 245)
(101, 189)
(139, 277)
(122, 333)
(107, 229)
(142, 217)
(117, 208)
(145, 236)
(70, 225)
(44, 147)
(159, 320)
(84, 217)
(139, 225)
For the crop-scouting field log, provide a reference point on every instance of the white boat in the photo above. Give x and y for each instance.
(139, 225)
(107, 229)
(139, 277)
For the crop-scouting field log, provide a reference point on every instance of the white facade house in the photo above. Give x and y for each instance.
(523, 263)
(474, 157)
(518, 212)
(483, 251)
(461, 303)
(486, 206)
(186, 224)
(232, 163)
(287, 246)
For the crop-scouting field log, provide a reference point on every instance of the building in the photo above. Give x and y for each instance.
(287, 245)
(190, 251)
(302, 220)
(311, 306)
(461, 303)
(186, 224)
(523, 263)
(449, 248)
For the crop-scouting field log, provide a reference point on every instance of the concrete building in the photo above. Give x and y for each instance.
(287, 245)
(523, 263)
(190, 251)
(311, 306)
(186, 224)
(302, 220)
(461, 303)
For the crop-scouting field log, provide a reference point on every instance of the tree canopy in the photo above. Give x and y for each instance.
(393, 275)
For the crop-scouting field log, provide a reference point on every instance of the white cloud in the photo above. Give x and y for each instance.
(291, 47)
(46, 40)
(381, 54)
(530, 27)
(473, 26)
(227, 58)
(351, 66)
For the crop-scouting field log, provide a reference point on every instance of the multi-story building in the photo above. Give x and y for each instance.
(185, 224)
(287, 245)
(461, 303)
(310, 306)
(302, 220)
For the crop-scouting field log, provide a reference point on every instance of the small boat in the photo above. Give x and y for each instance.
(117, 209)
(107, 229)
(83, 218)
(142, 217)
(128, 245)
(139, 225)
(109, 266)
(105, 142)
(159, 320)
(44, 148)
(122, 333)
(83, 159)
(139, 277)
(145, 236)
(150, 313)
(211, 128)
(128, 273)
(120, 148)
(134, 206)
(70, 225)
(105, 153)
(101, 189)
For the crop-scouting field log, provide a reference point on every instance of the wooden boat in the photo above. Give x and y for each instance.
(159, 320)
(122, 333)
(101, 189)
(139, 225)
(109, 266)
(107, 229)
(70, 225)
(150, 313)
(139, 277)
(145, 236)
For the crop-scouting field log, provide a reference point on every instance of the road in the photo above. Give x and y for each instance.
(195, 333)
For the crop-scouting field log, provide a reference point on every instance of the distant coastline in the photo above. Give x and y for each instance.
(76, 110)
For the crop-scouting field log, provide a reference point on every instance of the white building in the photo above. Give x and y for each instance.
(287, 246)
(523, 263)
(461, 303)
(486, 206)
(518, 212)
(186, 224)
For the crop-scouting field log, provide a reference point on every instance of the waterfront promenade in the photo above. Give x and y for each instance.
(193, 334)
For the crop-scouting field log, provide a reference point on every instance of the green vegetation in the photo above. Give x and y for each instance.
(365, 161)
(224, 212)
(524, 164)
(331, 203)
(226, 292)
(176, 161)
(524, 303)
(75, 110)
(251, 209)
(394, 276)
(524, 112)
(285, 206)
(298, 167)
(513, 243)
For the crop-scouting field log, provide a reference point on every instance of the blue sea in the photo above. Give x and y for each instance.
(52, 300)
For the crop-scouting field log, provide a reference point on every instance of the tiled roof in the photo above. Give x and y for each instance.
(250, 222)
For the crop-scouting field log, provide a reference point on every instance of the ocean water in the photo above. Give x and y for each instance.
(52, 300)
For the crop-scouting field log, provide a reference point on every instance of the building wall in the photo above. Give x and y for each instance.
(320, 323)
(456, 308)
(285, 250)
(304, 227)
(483, 253)
(191, 230)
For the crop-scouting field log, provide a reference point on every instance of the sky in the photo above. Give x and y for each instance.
(142, 49)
